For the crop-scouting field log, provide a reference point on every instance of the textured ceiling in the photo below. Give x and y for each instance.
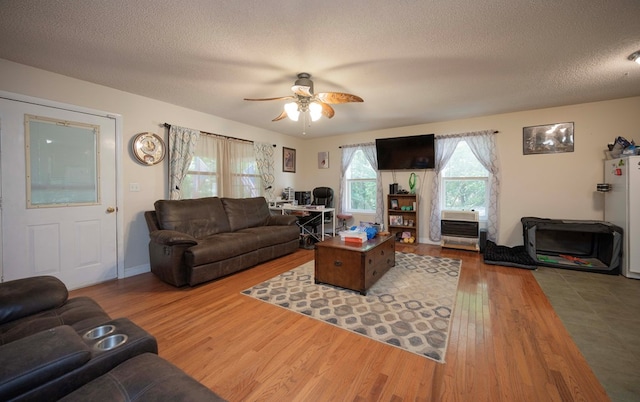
(413, 62)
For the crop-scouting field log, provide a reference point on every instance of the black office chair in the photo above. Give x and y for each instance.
(321, 196)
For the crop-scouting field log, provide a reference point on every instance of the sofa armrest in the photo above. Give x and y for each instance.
(172, 238)
(39, 358)
(146, 377)
(23, 297)
(281, 220)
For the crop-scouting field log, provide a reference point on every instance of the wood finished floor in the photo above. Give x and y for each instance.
(506, 342)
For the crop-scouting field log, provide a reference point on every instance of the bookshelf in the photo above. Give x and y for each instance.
(402, 213)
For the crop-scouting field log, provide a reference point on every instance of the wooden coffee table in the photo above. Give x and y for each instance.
(353, 266)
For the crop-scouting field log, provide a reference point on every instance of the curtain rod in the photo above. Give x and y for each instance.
(167, 125)
(357, 145)
(444, 135)
(467, 134)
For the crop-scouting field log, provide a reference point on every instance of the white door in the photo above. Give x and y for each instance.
(58, 194)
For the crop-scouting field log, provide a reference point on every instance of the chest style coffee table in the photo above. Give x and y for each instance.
(354, 266)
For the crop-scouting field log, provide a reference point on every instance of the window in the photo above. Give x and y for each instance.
(361, 187)
(201, 179)
(465, 182)
(222, 167)
(62, 166)
(461, 181)
(245, 179)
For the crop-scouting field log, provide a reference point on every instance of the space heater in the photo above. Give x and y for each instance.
(460, 229)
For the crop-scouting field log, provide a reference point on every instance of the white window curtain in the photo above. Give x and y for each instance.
(234, 159)
(264, 153)
(240, 179)
(209, 148)
(483, 146)
(369, 150)
(182, 144)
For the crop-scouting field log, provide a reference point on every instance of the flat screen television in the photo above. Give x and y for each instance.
(401, 153)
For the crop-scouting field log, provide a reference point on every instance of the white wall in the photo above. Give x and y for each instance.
(551, 186)
(140, 114)
(548, 186)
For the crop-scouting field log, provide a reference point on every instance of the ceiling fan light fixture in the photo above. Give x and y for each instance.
(304, 84)
(305, 101)
(315, 110)
(635, 56)
(292, 110)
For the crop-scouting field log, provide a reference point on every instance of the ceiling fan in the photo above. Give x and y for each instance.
(305, 100)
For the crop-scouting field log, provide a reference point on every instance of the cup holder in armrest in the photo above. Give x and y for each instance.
(99, 332)
(111, 342)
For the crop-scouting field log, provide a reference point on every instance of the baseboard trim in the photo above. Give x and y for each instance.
(137, 270)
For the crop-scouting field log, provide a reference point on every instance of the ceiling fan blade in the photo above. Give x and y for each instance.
(327, 110)
(338, 97)
(282, 115)
(269, 99)
(302, 90)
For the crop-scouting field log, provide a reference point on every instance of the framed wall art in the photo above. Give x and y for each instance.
(288, 160)
(323, 160)
(547, 139)
(395, 220)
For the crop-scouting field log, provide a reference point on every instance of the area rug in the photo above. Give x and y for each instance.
(409, 307)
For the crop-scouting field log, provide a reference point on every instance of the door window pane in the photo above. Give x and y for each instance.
(62, 163)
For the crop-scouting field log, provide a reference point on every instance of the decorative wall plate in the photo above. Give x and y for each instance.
(148, 148)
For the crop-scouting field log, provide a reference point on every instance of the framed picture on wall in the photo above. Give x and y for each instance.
(547, 139)
(323, 160)
(288, 160)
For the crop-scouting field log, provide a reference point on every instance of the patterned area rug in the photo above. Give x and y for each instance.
(409, 307)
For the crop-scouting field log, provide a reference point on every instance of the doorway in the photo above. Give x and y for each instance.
(59, 175)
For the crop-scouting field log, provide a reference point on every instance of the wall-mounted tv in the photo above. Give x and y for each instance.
(400, 153)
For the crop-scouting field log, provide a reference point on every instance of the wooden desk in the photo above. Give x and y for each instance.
(306, 211)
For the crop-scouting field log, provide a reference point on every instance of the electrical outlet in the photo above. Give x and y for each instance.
(134, 187)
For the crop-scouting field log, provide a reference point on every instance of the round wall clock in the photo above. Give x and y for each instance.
(148, 148)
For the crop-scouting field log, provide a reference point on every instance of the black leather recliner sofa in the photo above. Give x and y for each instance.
(53, 347)
(198, 240)
(31, 305)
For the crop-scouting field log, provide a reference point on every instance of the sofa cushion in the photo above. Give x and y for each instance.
(79, 312)
(228, 245)
(246, 212)
(220, 247)
(267, 236)
(23, 297)
(199, 217)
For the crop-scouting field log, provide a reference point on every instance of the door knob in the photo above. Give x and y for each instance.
(111, 210)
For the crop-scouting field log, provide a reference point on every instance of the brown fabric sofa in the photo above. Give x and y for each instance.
(195, 241)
